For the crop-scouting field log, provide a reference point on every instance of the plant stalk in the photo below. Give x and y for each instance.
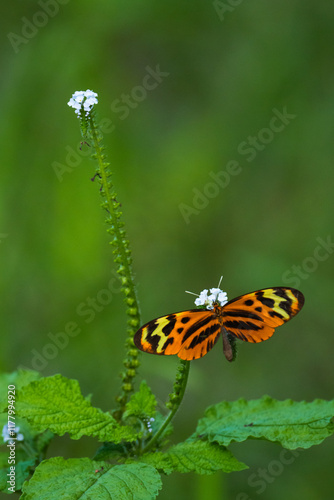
(123, 259)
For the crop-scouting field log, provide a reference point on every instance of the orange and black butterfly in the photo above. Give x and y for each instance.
(252, 317)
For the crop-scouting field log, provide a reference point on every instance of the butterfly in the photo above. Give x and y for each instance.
(191, 334)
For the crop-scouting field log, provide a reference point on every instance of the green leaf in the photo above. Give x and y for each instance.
(293, 424)
(56, 403)
(19, 378)
(85, 479)
(42, 441)
(201, 457)
(23, 465)
(22, 471)
(112, 451)
(27, 452)
(142, 404)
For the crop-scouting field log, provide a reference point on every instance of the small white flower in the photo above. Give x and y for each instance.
(6, 433)
(202, 298)
(85, 99)
(222, 298)
(216, 295)
(149, 424)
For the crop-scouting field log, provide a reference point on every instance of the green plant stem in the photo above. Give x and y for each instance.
(175, 401)
(123, 259)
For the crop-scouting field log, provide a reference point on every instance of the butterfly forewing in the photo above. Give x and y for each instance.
(253, 317)
(189, 334)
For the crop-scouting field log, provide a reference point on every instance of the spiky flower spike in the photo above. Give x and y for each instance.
(83, 103)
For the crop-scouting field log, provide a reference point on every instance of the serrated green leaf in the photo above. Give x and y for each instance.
(142, 403)
(201, 457)
(84, 479)
(56, 403)
(19, 378)
(293, 424)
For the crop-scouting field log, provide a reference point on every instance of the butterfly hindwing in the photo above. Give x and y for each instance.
(189, 334)
(253, 317)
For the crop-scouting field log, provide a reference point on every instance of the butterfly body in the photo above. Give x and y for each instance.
(191, 334)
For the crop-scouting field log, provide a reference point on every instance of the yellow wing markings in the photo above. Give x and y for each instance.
(189, 334)
(253, 317)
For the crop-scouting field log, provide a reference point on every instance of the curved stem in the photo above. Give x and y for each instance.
(175, 401)
(123, 259)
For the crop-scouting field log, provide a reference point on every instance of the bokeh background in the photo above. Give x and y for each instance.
(227, 67)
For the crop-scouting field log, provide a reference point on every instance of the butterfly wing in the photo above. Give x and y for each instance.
(189, 334)
(253, 317)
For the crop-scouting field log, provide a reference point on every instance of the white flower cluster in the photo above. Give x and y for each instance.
(80, 98)
(7, 437)
(149, 424)
(216, 295)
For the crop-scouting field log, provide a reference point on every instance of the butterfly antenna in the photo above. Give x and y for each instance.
(192, 293)
(220, 281)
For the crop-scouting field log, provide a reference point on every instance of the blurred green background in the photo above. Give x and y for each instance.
(230, 66)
